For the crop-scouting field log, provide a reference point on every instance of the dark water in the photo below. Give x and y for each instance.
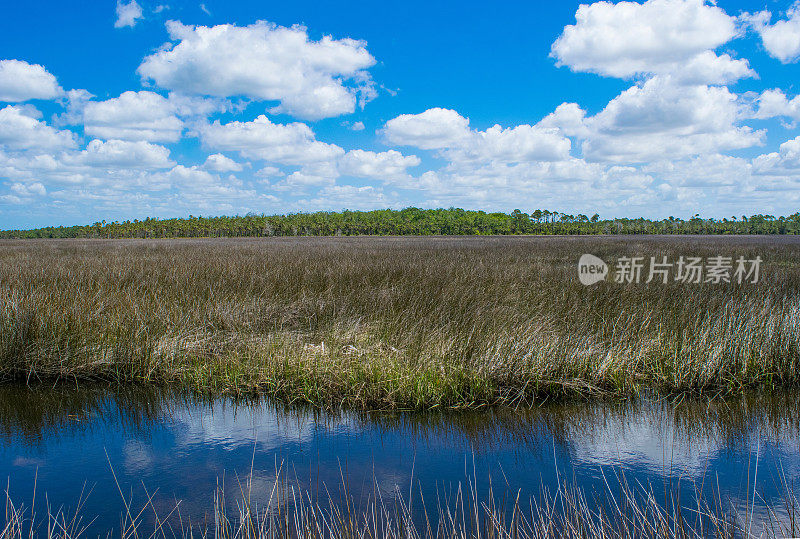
(175, 447)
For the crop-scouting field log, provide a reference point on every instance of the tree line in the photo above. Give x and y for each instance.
(411, 221)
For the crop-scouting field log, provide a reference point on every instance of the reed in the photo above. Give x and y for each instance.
(287, 511)
(395, 323)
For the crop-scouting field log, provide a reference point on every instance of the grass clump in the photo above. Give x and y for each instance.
(405, 323)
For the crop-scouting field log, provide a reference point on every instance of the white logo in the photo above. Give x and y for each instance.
(591, 269)
(689, 269)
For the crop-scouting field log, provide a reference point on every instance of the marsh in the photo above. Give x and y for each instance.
(398, 322)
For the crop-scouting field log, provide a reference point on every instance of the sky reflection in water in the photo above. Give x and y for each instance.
(181, 448)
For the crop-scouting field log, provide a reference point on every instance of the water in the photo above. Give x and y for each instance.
(172, 447)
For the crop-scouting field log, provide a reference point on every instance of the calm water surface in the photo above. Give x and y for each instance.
(68, 440)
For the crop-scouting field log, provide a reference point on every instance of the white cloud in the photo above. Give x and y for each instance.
(710, 68)
(113, 164)
(133, 116)
(655, 37)
(774, 103)
(20, 129)
(723, 185)
(782, 39)
(433, 129)
(659, 119)
(192, 176)
(703, 176)
(74, 101)
(31, 189)
(21, 81)
(449, 132)
(288, 144)
(385, 166)
(624, 179)
(570, 118)
(311, 175)
(522, 143)
(786, 161)
(219, 163)
(658, 146)
(121, 154)
(309, 79)
(662, 120)
(338, 197)
(136, 178)
(127, 14)
(269, 172)
(187, 106)
(560, 183)
(204, 190)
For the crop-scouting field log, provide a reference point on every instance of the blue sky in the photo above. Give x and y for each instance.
(656, 108)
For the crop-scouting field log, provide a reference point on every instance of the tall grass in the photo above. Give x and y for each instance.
(287, 511)
(404, 323)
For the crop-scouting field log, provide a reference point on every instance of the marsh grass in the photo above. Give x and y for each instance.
(402, 323)
(287, 511)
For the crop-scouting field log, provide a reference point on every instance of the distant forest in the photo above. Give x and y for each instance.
(411, 221)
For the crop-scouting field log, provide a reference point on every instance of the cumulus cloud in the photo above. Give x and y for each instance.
(219, 163)
(659, 119)
(133, 116)
(128, 175)
(192, 176)
(657, 146)
(569, 118)
(288, 144)
(709, 68)
(449, 132)
(627, 39)
(624, 178)
(187, 106)
(269, 172)
(703, 175)
(663, 119)
(104, 169)
(201, 189)
(142, 115)
(782, 39)
(121, 154)
(786, 161)
(311, 175)
(496, 165)
(127, 14)
(309, 79)
(20, 129)
(337, 197)
(499, 184)
(74, 101)
(21, 81)
(29, 189)
(433, 129)
(773, 103)
(387, 166)
(514, 144)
